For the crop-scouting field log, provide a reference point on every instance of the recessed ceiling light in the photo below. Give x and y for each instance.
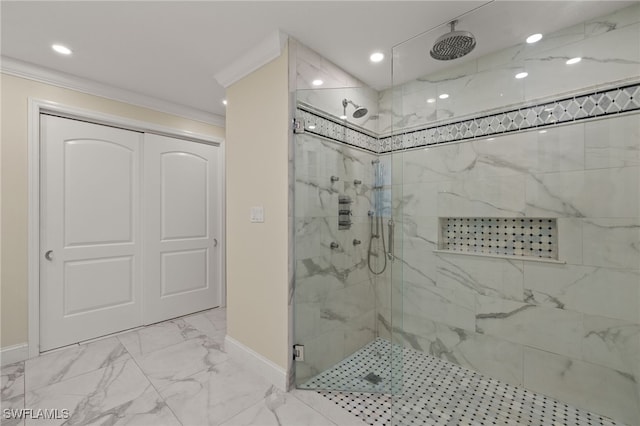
(533, 38)
(317, 82)
(224, 102)
(343, 117)
(444, 96)
(522, 75)
(376, 57)
(63, 50)
(431, 100)
(573, 61)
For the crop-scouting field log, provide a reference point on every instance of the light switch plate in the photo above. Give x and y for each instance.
(257, 214)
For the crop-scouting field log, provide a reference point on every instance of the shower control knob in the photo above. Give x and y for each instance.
(334, 245)
(356, 242)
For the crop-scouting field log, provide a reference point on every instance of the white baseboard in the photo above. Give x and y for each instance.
(256, 362)
(14, 353)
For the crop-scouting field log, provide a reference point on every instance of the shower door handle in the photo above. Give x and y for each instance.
(391, 254)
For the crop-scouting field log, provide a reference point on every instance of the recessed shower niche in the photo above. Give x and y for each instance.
(518, 237)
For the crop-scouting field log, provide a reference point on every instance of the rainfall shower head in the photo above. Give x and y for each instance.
(358, 113)
(454, 44)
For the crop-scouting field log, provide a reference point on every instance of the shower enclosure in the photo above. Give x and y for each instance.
(344, 243)
(482, 218)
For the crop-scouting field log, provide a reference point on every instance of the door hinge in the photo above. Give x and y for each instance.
(298, 352)
(298, 125)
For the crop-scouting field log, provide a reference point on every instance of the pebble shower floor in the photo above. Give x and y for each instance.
(437, 392)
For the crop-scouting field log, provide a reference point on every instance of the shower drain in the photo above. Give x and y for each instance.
(372, 378)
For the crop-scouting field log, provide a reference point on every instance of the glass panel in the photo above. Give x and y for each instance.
(499, 141)
(342, 211)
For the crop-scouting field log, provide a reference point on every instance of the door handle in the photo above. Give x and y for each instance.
(49, 255)
(215, 242)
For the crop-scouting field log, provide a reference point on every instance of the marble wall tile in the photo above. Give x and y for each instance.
(611, 343)
(317, 197)
(359, 331)
(417, 199)
(436, 164)
(316, 278)
(492, 197)
(583, 289)
(614, 142)
(598, 389)
(611, 243)
(555, 330)
(337, 86)
(456, 308)
(569, 240)
(499, 278)
(582, 193)
(71, 362)
(488, 355)
(617, 19)
(316, 157)
(613, 54)
(12, 380)
(313, 236)
(558, 149)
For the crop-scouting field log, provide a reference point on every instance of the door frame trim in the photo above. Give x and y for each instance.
(41, 106)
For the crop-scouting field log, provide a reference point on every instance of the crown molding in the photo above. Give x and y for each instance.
(30, 71)
(266, 51)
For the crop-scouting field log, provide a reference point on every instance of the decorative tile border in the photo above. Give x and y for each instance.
(592, 105)
(579, 107)
(321, 126)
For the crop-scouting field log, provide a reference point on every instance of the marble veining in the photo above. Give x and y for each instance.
(12, 380)
(71, 362)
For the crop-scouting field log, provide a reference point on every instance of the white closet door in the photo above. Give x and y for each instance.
(182, 214)
(90, 231)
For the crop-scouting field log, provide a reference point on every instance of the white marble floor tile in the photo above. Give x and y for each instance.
(179, 361)
(218, 317)
(89, 395)
(202, 323)
(149, 339)
(76, 360)
(12, 403)
(211, 397)
(279, 409)
(12, 380)
(148, 409)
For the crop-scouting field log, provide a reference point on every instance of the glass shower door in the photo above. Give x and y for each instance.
(343, 304)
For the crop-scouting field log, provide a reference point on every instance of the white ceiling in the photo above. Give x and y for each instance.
(171, 50)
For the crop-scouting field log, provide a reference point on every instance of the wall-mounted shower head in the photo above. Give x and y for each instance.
(358, 113)
(454, 44)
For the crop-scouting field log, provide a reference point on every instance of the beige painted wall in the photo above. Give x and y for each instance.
(257, 174)
(14, 108)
